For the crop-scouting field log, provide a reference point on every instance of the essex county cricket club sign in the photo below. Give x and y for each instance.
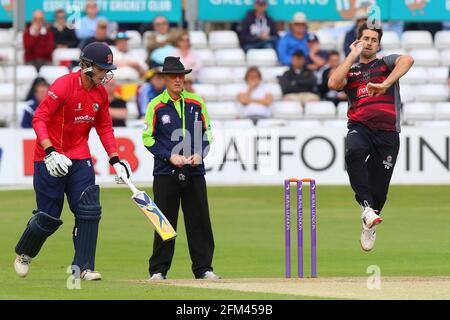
(113, 10)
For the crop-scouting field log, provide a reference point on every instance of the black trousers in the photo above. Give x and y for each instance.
(168, 195)
(370, 157)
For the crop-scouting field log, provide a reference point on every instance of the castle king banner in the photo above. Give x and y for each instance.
(329, 10)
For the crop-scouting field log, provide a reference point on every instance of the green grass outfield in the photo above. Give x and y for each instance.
(413, 240)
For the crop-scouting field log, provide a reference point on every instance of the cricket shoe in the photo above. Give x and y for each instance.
(22, 265)
(209, 275)
(90, 275)
(370, 218)
(157, 276)
(368, 237)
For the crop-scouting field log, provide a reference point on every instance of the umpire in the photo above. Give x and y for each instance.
(178, 134)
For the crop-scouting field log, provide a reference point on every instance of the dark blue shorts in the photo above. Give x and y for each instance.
(50, 190)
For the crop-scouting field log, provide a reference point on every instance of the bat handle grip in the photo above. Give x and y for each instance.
(130, 185)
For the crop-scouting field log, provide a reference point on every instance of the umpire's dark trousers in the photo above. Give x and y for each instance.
(370, 157)
(168, 195)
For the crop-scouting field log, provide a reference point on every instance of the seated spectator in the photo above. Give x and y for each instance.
(150, 26)
(101, 35)
(295, 39)
(299, 83)
(188, 56)
(258, 30)
(87, 25)
(255, 96)
(351, 35)
(117, 107)
(153, 86)
(123, 57)
(334, 60)
(38, 42)
(36, 94)
(317, 58)
(160, 43)
(316, 61)
(65, 37)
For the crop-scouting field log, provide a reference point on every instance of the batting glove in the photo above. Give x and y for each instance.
(57, 164)
(122, 168)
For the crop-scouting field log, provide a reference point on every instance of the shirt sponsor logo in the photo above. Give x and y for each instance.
(362, 92)
(355, 74)
(84, 119)
(165, 119)
(52, 95)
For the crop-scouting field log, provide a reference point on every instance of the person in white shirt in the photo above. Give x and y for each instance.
(255, 97)
(124, 58)
(160, 41)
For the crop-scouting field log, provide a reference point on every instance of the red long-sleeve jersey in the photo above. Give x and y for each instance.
(39, 46)
(67, 115)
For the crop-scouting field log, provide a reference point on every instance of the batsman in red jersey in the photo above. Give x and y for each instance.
(372, 142)
(75, 103)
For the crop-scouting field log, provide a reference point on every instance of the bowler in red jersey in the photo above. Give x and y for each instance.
(372, 144)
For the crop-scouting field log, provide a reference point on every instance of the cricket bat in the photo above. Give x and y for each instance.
(152, 212)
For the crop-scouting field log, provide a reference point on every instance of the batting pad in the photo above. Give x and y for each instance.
(85, 232)
(39, 228)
